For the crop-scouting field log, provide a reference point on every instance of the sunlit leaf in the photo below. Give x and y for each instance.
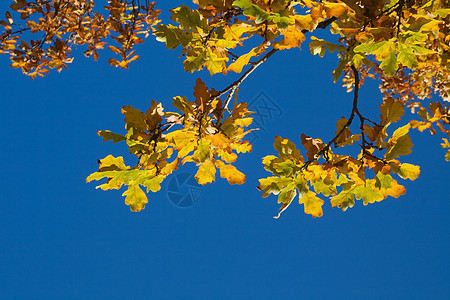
(313, 204)
(206, 173)
(135, 198)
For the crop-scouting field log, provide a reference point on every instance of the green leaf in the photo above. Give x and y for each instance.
(153, 183)
(402, 146)
(371, 47)
(357, 61)
(442, 12)
(252, 10)
(368, 195)
(172, 36)
(383, 181)
(421, 50)
(324, 189)
(286, 168)
(390, 64)
(302, 186)
(388, 186)
(344, 200)
(282, 22)
(339, 69)
(407, 57)
(286, 196)
(273, 185)
(195, 61)
(413, 37)
(188, 18)
(203, 151)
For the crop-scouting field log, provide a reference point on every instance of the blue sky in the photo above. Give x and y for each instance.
(62, 238)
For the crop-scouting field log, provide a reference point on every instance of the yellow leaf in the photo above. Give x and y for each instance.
(169, 168)
(312, 204)
(203, 151)
(242, 147)
(243, 60)
(135, 198)
(399, 132)
(406, 171)
(420, 125)
(395, 190)
(227, 155)
(215, 64)
(218, 140)
(245, 122)
(206, 173)
(233, 175)
(111, 163)
(153, 184)
(304, 22)
(357, 60)
(344, 200)
(401, 146)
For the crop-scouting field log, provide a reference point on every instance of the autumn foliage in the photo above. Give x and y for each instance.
(403, 44)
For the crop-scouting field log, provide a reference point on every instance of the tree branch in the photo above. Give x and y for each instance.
(324, 150)
(352, 115)
(235, 85)
(232, 87)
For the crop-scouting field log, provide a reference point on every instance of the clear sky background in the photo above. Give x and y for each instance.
(62, 238)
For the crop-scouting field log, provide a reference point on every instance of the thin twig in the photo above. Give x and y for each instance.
(324, 150)
(233, 87)
(352, 115)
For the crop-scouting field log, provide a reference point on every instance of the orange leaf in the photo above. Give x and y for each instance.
(233, 175)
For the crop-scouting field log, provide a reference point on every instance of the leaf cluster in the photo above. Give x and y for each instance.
(39, 35)
(403, 44)
(163, 141)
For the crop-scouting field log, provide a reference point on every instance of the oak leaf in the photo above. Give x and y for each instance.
(233, 175)
(391, 111)
(243, 60)
(286, 196)
(312, 204)
(135, 198)
(292, 38)
(206, 173)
